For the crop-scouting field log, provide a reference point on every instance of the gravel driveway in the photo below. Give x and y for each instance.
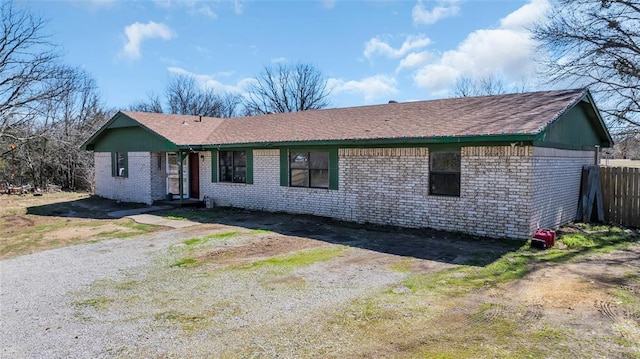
(133, 298)
(38, 317)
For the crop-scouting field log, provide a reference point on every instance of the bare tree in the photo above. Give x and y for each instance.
(597, 43)
(30, 72)
(46, 108)
(153, 103)
(48, 150)
(467, 86)
(287, 88)
(183, 96)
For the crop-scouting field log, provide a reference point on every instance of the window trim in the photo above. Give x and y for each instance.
(458, 173)
(332, 166)
(117, 171)
(308, 169)
(232, 166)
(215, 166)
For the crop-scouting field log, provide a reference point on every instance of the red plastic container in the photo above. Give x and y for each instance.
(545, 235)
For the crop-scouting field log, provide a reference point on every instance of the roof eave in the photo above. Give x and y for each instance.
(89, 144)
(385, 142)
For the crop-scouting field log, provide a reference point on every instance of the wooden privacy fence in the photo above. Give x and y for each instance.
(621, 195)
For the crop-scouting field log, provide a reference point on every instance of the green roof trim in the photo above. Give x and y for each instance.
(124, 134)
(577, 125)
(384, 142)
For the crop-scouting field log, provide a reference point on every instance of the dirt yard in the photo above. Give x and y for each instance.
(30, 223)
(257, 285)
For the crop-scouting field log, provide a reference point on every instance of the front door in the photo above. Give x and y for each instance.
(173, 176)
(194, 176)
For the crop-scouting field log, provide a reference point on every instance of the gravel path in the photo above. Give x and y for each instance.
(125, 299)
(37, 316)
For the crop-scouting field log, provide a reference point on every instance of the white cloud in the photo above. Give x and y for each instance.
(371, 88)
(376, 46)
(445, 8)
(212, 82)
(137, 32)
(414, 59)
(508, 51)
(206, 11)
(523, 18)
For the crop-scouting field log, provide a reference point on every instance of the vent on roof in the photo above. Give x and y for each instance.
(393, 101)
(199, 118)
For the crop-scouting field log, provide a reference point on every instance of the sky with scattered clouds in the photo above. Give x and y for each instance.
(370, 51)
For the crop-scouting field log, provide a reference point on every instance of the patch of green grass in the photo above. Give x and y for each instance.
(627, 297)
(515, 265)
(188, 322)
(184, 262)
(459, 280)
(109, 234)
(298, 259)
(222, 235)
(176, 218)
(126, 285)
(194, 241)
(547, 334)
(97, 303)
(195, 215)
(402, 266)
(139, 226)
(597, 239)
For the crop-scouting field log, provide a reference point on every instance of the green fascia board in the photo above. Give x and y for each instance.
(121, 122)
(480, 140)
(132, 139)
(579, 126)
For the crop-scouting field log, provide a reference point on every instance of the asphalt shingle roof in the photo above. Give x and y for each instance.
(522, 113)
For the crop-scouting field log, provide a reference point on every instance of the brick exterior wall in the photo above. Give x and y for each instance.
(158, 176)
(135, 188)
(505, 191)
(556, 180)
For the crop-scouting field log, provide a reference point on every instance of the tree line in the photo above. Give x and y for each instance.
(48, 109)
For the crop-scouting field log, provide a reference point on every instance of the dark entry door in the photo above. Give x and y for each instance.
(194, 176)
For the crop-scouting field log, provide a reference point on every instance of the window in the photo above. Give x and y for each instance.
(119, 164)
(444, 173)
(232, 166)
(309, 169)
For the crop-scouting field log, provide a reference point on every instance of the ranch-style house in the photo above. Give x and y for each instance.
(498, 166)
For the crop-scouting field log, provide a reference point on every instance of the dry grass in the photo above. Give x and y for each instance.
(31, 224)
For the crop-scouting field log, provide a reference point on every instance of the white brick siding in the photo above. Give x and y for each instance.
(504, 192)
(158, 176)
(556, 184)
(135, 188)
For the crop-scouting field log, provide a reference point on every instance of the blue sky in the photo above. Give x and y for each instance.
(370, 51)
